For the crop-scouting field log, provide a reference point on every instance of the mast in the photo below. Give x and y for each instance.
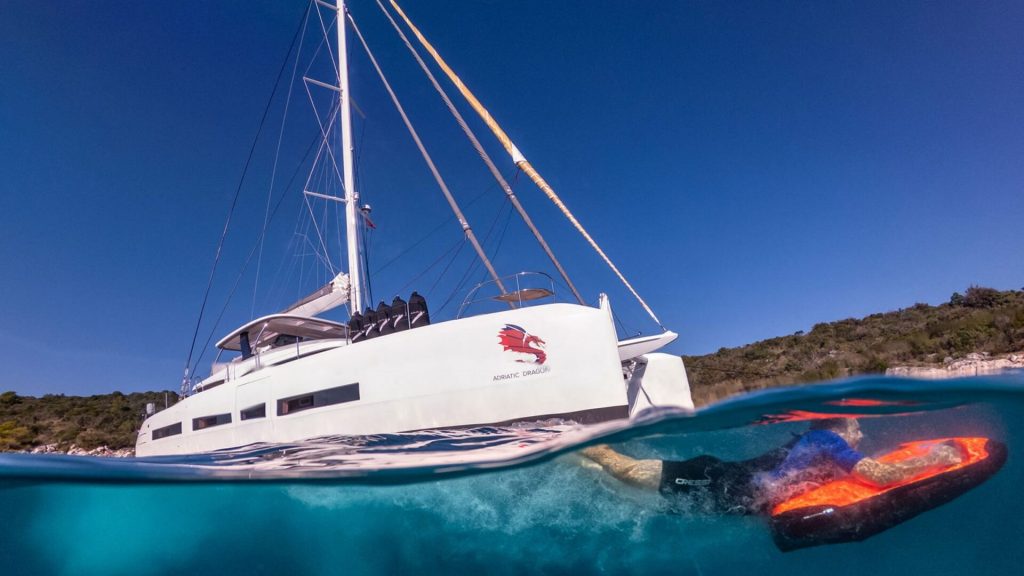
(351, 197)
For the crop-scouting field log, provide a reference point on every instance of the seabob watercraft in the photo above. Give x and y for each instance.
(848, 510)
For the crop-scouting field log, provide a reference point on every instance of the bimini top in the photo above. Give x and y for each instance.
(266, 331)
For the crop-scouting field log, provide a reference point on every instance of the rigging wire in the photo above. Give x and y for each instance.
(520, 160)
(501, 237)
(467, 230)
(454, 246)
(461, 243)
(273, 173)
(425, 237)
(625, 331)
(471, 136)
(474, 264)
(296, 246)
(245, 265)
(323, 257)
(336, 19)
(323, 173)
(285, 269)
(234, 201)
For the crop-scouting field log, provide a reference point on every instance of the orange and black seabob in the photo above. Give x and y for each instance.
(848, 510)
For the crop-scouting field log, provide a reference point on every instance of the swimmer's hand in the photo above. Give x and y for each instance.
(884, 473)
(589, 464)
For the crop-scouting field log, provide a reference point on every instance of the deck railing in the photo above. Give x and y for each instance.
(522, 289)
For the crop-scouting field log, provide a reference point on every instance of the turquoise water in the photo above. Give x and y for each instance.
(525, 502)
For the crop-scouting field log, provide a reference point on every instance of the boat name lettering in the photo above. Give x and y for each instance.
(520, 374)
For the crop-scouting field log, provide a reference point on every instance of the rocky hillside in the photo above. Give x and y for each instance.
(982, 321)
(61, 422)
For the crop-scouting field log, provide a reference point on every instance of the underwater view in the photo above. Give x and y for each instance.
(524, 500)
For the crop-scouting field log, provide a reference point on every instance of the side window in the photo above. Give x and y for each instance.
(318, 399)
(210, 421)
(172, 430)
(258, 411)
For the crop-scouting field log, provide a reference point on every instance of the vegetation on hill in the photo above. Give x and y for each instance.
(980, 320)
(88, 422)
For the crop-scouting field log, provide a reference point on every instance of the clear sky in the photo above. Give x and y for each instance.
(753, 167)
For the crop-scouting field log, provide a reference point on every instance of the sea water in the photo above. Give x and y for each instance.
(507, 500)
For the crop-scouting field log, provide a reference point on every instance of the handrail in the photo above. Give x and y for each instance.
(470, 299)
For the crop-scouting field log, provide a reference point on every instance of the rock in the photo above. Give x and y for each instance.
(973, 364)
(75, 450)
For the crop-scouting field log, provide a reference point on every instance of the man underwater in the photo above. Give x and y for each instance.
(825, 452)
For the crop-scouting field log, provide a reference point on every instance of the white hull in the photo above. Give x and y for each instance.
(448, 374)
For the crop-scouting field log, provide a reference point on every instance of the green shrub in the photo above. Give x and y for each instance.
(13, 436)
(874, 365)
(980, 297)
(829, 370)
(9, 398)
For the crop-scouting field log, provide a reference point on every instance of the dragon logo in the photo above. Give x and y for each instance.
(515, 339)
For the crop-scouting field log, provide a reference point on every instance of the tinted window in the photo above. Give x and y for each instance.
(339, 395)
(259, 411)
(166, 431)
(210, 421)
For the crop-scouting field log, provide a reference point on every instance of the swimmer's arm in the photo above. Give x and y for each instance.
(638, 473)
(884, 474)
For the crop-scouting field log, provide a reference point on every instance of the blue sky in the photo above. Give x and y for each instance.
(754, 168)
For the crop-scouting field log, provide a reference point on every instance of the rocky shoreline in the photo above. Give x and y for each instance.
(976, 364)
(74, 450)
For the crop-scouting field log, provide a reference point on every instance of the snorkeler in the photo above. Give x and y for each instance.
(823, 453)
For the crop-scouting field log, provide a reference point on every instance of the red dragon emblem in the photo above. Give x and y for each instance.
(515, 339)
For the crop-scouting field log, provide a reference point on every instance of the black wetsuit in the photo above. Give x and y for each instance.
(717, 486)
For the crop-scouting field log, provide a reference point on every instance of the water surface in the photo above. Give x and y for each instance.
(505, 500)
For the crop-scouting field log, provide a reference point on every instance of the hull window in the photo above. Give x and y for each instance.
(259, 411)
(172, 430)
(210, 421)
(328, 397)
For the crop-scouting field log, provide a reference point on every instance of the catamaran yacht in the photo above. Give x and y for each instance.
(298, 376)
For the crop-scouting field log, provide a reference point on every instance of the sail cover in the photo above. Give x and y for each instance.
(332, 295)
